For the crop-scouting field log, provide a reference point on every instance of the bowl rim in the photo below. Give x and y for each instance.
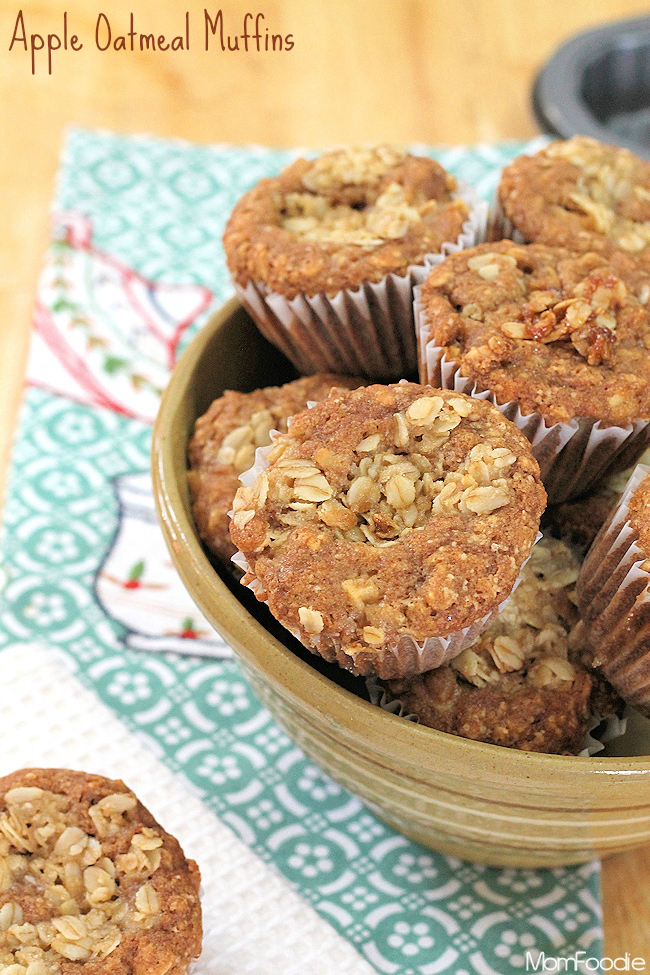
(239, 628)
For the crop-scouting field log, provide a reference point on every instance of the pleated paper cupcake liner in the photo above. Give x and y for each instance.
(366, 331)
(408, 656)
(573, 457)
(614, 601)
(606, 729)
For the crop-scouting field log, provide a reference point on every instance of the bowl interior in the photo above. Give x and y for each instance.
(230, 353)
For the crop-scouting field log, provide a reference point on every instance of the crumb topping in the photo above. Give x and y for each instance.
(394, 484)
(607, 188)
(396, 498)
(364, 218)
(564, 334)
(224, 442)
(78, 882)
(79, 879)
(580, 194)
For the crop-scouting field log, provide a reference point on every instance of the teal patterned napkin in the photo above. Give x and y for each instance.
(134, 267)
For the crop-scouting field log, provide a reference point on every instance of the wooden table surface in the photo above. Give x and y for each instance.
(433, 71)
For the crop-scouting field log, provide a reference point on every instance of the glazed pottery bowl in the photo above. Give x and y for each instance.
(465, 798)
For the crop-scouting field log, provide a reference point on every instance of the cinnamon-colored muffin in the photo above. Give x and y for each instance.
(325, 256)
(523, 683)
(389, 520)
(554, 338)
(348, 217)
(563, 334)
(580, 194)
(89, 882)
(224, 442)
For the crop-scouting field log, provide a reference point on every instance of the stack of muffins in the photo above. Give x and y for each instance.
(392, 525)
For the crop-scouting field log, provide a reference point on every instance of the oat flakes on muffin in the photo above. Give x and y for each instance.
(89, 882)
(563, 337)
(302, 245)
(387, 517)
(580, 194)
(224, 442)
(614, 594)
(523, 684)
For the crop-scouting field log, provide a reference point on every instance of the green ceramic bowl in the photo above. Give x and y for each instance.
(475, 801)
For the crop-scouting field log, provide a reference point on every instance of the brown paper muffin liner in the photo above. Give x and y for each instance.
(606, 729)
(367, 331)
(573, 457)
(408, 656)
(614, 600)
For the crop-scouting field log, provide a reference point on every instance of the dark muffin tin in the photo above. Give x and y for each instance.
(598, 84)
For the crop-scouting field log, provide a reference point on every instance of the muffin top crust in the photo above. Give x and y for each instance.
(386, 512)
(89, 882)
(351, 216)
(522, 684)
(225, 439)
(564, 335)
(581, 194)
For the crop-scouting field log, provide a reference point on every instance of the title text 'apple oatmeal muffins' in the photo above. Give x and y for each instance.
(560, 342)
(523, 684)
(580, 194)
(224, 442)
(614, 594)
(89, 882)
(325, 255)
(386, 527)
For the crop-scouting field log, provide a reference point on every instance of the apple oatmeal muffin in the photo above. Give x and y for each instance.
(325, 255)
(389, 524)
(224, 442)
(89, 882)
(580, 194)
(558, 340)
(523, 684)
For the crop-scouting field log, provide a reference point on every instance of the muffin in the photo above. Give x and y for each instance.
(389, 524)
(580, 194)
(523, 683)
(559, 341)
(613, 594)
(325, 255)
(224, 442)
(89, 882)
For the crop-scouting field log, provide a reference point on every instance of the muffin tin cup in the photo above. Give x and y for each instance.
(405, 658)
(366, 331)
(614, 602)
(606, 729)
(573, 457)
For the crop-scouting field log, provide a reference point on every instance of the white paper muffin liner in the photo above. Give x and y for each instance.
(367, 331)
(608, 728)
(408, 656)
(614, 599)
(573, 457)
